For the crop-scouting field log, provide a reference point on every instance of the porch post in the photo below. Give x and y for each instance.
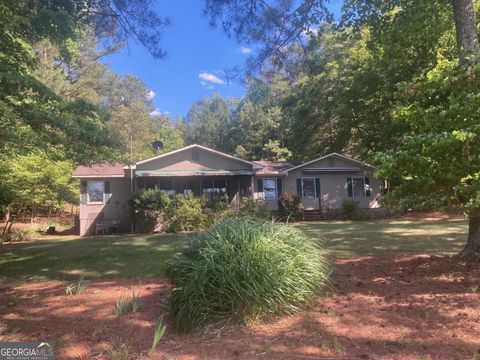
(238, 192)
(252, 188)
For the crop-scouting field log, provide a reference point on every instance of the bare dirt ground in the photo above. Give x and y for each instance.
(390, 307)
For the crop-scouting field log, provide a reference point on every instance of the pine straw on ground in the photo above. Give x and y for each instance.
(391, 307)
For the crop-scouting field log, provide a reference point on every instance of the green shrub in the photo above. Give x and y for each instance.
(186, 213)
(349, 208)
(254, 208)
(243, 269)
(17, 235)
(217, 203)
(150, 209)
(214, 217)
(289, 207)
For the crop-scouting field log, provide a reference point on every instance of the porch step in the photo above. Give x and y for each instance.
(312, 215)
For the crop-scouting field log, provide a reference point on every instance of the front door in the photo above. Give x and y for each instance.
(309, 194)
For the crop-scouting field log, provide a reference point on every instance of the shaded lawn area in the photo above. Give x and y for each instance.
(132, 256)
(142, 256)
(348, 239)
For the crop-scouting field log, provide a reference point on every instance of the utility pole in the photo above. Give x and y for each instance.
(130, 139)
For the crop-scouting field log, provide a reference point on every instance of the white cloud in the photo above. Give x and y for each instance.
(206, 77)
(207, 85)
(151, 94)
(158, 112)
(245, 50)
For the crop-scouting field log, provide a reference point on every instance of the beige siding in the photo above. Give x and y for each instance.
(327, 162)
(270, 204)
(183, 161)
(333, 189)
(333, 186)
(117, 207)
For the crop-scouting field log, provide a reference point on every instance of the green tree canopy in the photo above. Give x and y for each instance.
(210, 121)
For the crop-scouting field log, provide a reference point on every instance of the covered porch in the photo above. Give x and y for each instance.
(208, 186)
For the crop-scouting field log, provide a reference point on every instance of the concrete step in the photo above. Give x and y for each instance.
(311, 215)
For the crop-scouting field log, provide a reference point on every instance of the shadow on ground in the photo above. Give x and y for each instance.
(113, 256)
(344, 239)
(389, 307)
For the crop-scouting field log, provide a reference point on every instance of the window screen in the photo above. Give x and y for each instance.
(270, 188)
(308, 188)
(358, 187)
(95, 190)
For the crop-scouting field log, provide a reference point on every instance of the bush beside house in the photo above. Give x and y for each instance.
(349, 209)
(254, 208)
(150, 210)
(289, 207)
(186, 213)
(153, 210)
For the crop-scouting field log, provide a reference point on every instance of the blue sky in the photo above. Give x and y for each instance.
(197, 56)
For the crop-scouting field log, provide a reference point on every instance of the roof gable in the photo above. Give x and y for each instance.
(334, 155)
(204, 148)
(273, 167)
(195, 160)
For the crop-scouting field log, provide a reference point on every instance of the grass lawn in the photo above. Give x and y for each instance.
(145, 255)
(346, 239)
(136, 256)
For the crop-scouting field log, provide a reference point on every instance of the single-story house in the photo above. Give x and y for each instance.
(321, 183)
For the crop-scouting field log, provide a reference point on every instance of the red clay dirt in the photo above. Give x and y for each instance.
(395, 307)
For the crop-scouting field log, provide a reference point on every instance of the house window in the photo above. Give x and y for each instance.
(95, 191)
(218, 186)
(308, 188)
(167, 186)
(358, 186)
(270, 188)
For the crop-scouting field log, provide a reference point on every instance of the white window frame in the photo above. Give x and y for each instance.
(276, 188)
(103, 193)
(315, 196)
(364, 187)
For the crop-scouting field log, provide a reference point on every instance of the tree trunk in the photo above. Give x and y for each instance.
(466, 30)
(7, 221)
(471, 251)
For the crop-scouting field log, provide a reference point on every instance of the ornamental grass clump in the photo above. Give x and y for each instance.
(244, 269)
